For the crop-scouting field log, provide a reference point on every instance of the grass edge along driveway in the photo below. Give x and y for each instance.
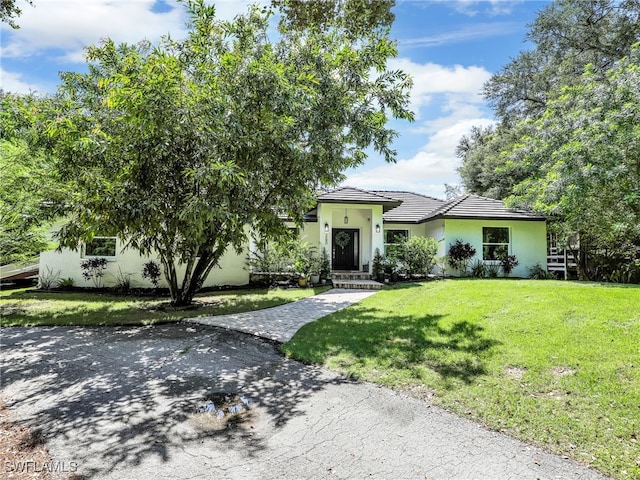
(553, 363)
(32, 308)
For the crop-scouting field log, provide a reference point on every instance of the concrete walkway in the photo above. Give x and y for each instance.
(282, 322)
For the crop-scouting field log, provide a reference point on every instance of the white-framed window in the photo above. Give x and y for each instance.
(495, 242)
(393, 238)
(101, 247)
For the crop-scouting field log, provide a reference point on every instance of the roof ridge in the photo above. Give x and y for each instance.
(412, 193)
(371, 192)
(448, 205)
(454, 202)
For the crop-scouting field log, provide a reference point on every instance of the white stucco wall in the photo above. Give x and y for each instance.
(66, 264)
(528, 239)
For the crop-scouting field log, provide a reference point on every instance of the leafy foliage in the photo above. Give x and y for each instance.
(93, 270)
(460, 254)
(9, 11)
(151, 271)
(418, 255)
(177, 147)
(567, 140)
(508, 263)
(32, 195)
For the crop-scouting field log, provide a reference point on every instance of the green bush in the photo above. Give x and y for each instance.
(418, 255)
(459, 255)
(508, 263)
(93, 269)
(65, 283)
(151, 271)
(537, 272)
(478, 269)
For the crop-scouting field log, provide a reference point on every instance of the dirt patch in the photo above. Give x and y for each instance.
(562, 371)
(514, 371)
(23, 454)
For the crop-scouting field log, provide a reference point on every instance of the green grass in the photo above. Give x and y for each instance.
(554, 363)
(26, 307)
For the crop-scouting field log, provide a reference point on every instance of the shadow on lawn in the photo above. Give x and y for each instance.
(117, 397)
(401, 343)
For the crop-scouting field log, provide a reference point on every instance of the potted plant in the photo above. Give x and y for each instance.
(303, 255)
(315, 270)
(325, 266)
(390, 268)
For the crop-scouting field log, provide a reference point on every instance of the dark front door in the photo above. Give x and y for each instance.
(345, 243)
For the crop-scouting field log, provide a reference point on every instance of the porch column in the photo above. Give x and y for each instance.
(325, 224)
(377, 237)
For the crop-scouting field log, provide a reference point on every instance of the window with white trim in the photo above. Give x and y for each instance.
(495, 242)
(101, 247)
(393, 239)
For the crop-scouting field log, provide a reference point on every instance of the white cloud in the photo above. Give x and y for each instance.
(13, 82)
(490, 7)
(465, 33)
(70, 25)
(452, 97)
(429, 79)
(432, 166)
(65, 27)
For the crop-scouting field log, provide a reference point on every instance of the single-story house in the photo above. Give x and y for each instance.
(351, 224)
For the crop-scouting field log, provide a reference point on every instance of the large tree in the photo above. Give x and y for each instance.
(178, 148)
(586, 148)
(31, 195)
(567, 35)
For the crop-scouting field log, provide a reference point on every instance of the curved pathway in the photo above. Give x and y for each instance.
(282, 322)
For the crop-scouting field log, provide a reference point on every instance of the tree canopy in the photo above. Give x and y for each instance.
(178, 147)
(565, 143)
(31, 194)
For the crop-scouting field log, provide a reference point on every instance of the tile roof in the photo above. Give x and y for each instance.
(408, 207)
(474, 206)
(413, 209)
(355, 195)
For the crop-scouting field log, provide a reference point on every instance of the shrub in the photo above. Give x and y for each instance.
(478, 269)
(537, 272)
(492, 269)
(377, 267)
(460, 254)
(305, 258)
(151, 271)
(65, 283)
(508, 263)
(93, 269)
(325, 264)
(48, 279)
(123, 281)
(418, 255)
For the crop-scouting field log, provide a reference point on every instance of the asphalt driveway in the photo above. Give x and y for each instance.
(134, 403)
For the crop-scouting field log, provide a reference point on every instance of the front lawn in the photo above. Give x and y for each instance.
(27, 307)
(553, 363)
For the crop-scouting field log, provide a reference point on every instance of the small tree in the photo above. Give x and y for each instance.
(93, 270)
(418, 255)
(377, 267)
(460, 254)
(508, 263)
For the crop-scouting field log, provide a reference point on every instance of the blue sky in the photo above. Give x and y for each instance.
(451, 47)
